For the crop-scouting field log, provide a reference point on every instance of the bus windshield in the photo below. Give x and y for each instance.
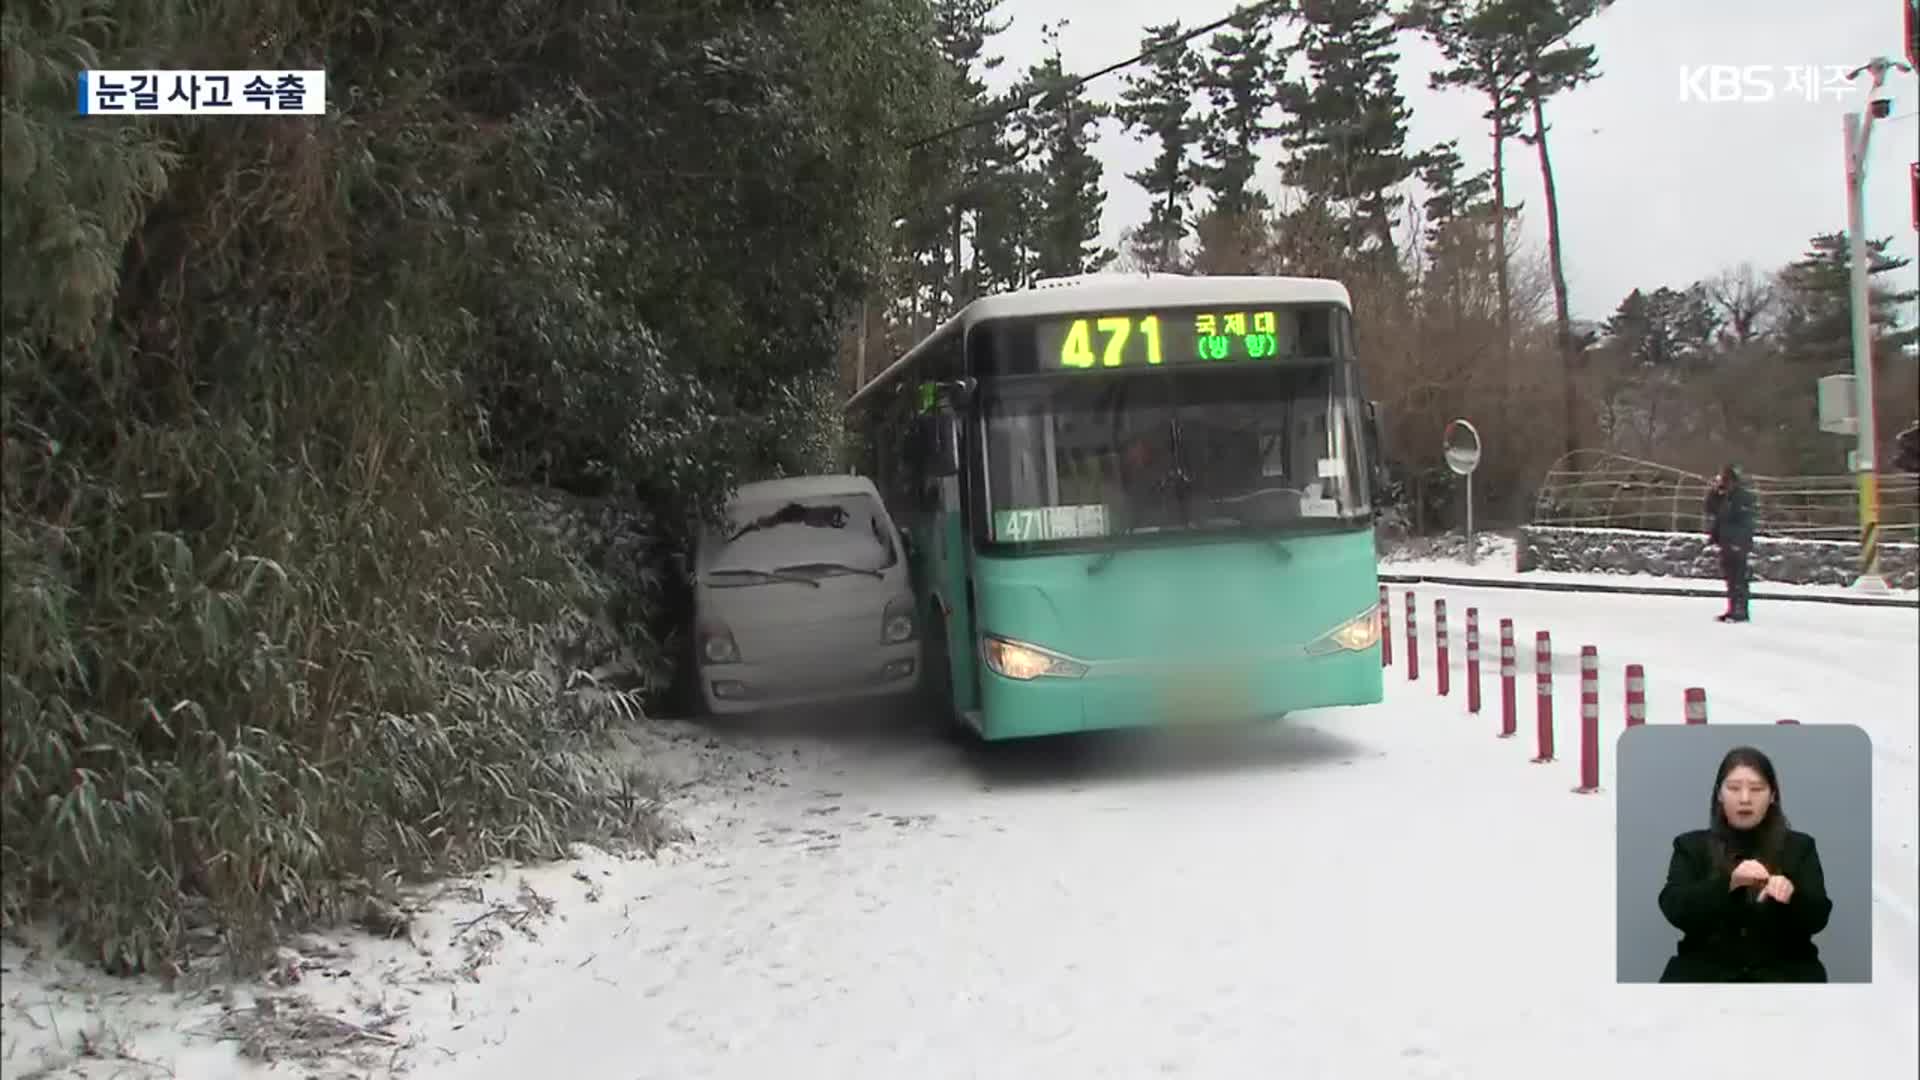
(1077, 459)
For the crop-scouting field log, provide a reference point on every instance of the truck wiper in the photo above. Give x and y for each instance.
(842, 567)
(818, 517)
(764, 575)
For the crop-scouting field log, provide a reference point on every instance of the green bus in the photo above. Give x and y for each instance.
(1135, 500)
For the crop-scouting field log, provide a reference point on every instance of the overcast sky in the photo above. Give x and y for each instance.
(1653, 190)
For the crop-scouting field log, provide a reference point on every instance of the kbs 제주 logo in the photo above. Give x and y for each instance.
(1759, 84)
(253, 92)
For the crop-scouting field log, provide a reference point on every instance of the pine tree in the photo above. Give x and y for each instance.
(1070, 199)
(1666, 328)
(963, 28)
(948, 176)
(920, 236)
(1657, 344)
(1347, 121)
(1816, 322)
(1476, 37)
(1551, 66)
(1815, 337)
(1457, 215)
(1450, 196)
(1007, 204)
(1158, 105)
(1241, 74)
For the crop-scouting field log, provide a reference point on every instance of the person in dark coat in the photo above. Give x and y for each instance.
(1906, 449)
(1731, 515)
(1747, 892)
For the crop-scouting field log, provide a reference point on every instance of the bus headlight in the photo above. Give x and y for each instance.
(1016, 660)
(1358, 634)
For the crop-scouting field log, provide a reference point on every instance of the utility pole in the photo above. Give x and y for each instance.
(1858, 129)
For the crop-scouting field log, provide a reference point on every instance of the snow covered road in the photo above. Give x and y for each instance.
(1356, 893)
(1384, 893)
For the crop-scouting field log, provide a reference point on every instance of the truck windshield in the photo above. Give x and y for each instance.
(1080, 458)
(814, 536)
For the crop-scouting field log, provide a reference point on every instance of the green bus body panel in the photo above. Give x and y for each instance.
(939, 562)
(951, 572)
(1232, 617)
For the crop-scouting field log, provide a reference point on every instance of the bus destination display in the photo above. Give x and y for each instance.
(1151, 339)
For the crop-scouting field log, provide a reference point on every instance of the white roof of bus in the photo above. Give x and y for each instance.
(1064, 296)
(806, 487)
(1111, 292)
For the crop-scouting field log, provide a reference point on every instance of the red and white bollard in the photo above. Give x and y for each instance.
(1386, 629)
(1589, 720)
(1473, 660)
(1509, 664)
(1636, 695)
(1696, 705)
(1543, 675)
(1413, 639)
(1442, 669)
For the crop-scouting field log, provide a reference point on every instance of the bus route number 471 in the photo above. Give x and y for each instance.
(1049, 523)
(1256, 334)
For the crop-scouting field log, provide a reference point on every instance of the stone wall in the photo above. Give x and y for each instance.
(1688, 555)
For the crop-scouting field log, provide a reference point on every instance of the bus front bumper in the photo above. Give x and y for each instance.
(1158, 694)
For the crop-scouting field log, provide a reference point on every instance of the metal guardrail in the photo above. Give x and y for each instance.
(1594, 489)
(1760, 591)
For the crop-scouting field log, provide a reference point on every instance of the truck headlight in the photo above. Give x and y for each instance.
(896, 626)
(717, 645)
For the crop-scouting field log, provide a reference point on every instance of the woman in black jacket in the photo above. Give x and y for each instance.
(1746, 892)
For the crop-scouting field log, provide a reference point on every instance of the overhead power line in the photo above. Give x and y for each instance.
(1025, 102)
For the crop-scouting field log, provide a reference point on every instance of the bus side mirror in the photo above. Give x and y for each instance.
(1377, 444)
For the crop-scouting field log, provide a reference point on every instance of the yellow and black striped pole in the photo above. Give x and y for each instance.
(1869, 525)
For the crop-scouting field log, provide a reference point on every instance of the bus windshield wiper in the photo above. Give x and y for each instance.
(1101, 561)
(763, 575)
(1176, 480)
(832, 567)
(1185, 481)
(1178, 475)
(1273, 543)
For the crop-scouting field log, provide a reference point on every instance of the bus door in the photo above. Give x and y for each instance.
(956, 586)
(949, 563)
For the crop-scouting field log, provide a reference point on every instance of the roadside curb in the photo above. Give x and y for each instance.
(1636, 590)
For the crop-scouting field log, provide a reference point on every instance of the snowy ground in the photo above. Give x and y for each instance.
(1388, 892)
(1495, 562)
